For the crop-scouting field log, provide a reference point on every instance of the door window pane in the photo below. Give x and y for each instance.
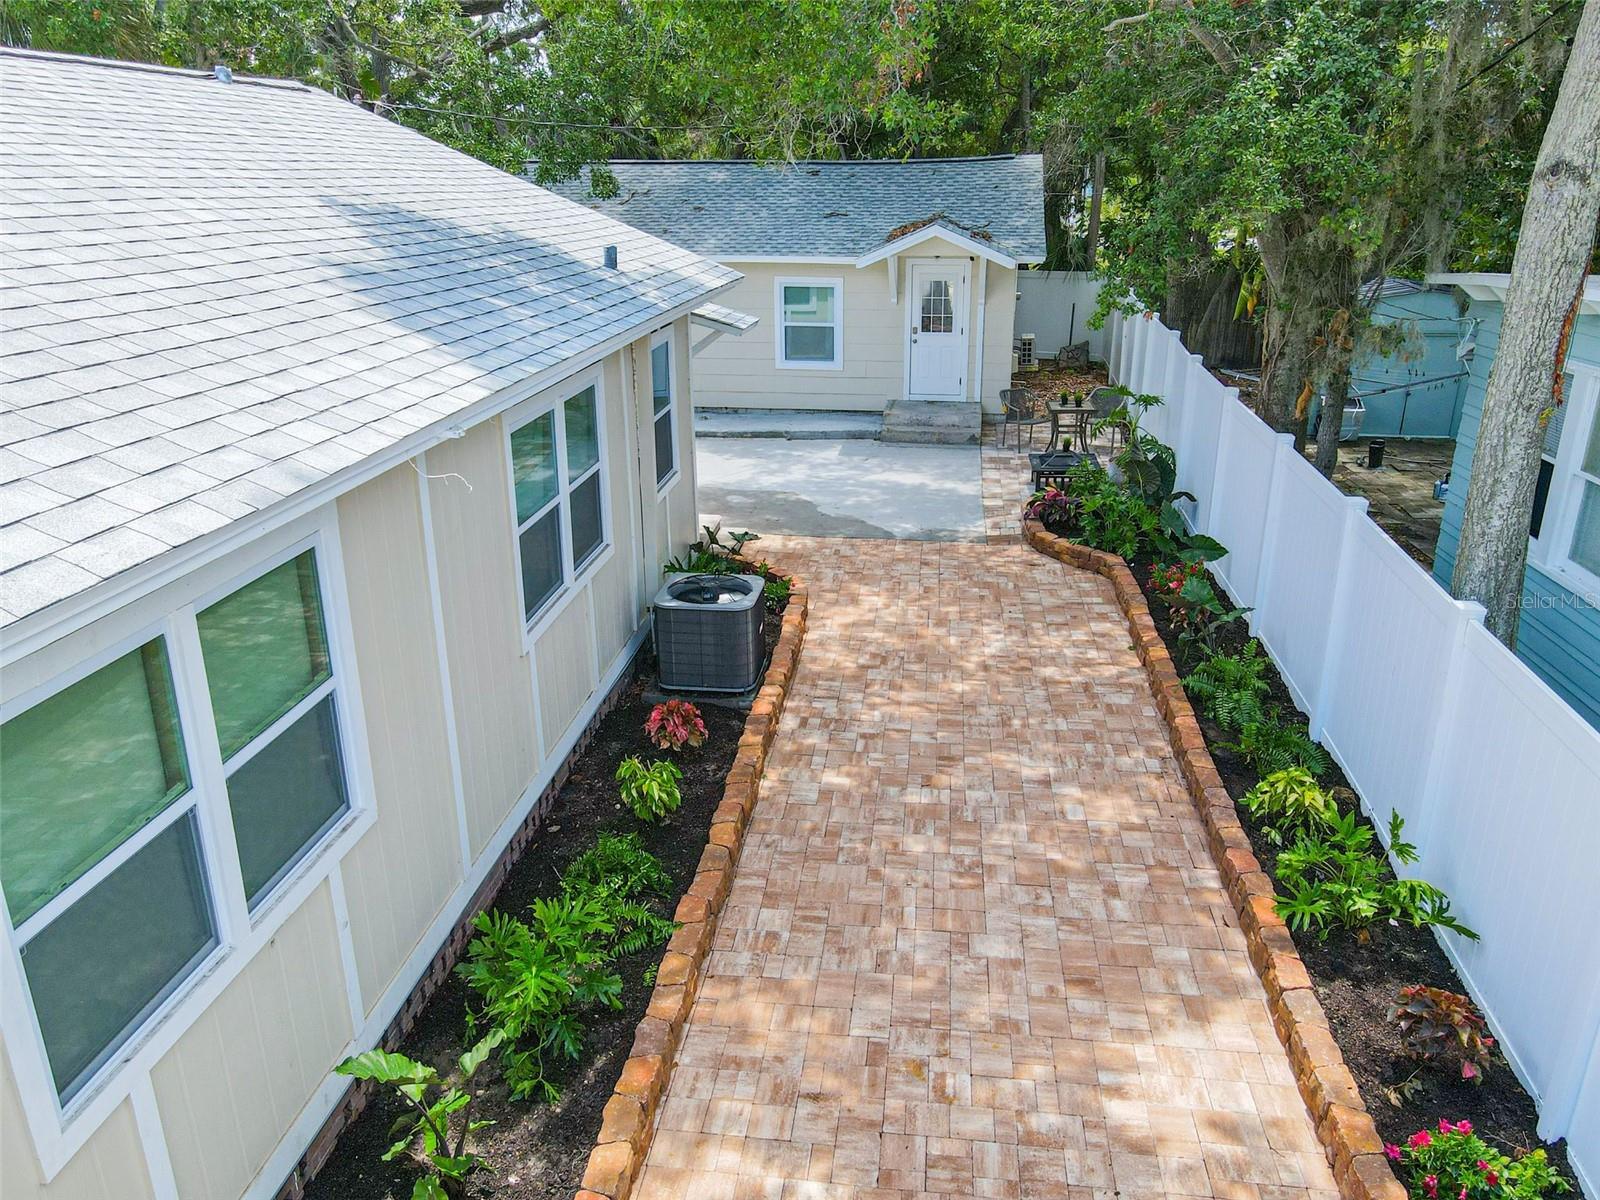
(660, 377)
(265, 650)
(807, 303)
(288, 794)
(83, 771)
(98, 970)
(1586, 533)
(533, 465)
(541, 561)
(586, 523)
(583, 434)
(664, 463)
(808, 343)
(937, 313)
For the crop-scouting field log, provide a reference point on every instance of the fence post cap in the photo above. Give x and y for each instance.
(1357, 504)
(1471, 610)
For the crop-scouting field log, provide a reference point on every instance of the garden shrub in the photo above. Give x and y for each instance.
(1230, 687)
(675, 724)
(1272, 744)
(1333, 879)
(1456, 1164)
(1288, 803)
(775, 592)
(534, 979)
(650, 790)
(1439, 1024)
(621, 876)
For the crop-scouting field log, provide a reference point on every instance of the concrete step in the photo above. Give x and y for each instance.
(933, 422)
(794, 424)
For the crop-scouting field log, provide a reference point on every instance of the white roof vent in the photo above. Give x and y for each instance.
(221, 74)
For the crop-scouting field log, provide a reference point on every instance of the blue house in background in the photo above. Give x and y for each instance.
(1559, 634)
(1417, 393)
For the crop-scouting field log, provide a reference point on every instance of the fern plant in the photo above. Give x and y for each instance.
(1230, 688)
(1271, 745)
(621, 876)
(533, 981)
(1288, 803)
(650, 790)
(1333, 879)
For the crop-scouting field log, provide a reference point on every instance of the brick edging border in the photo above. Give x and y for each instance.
(628, 1123)
(1349, 1138)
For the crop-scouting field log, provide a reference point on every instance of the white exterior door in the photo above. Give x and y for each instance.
(937, 349)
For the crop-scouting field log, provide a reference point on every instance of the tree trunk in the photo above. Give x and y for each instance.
(1547, 277)
(1097, 186)
(1334, 395)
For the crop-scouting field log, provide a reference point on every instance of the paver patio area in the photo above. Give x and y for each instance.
(976, 945)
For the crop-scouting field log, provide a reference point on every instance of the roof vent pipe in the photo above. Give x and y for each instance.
(611, 257)
(221, 74)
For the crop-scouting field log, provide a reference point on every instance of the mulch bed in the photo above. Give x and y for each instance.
(1357, 982)
(539, 1151)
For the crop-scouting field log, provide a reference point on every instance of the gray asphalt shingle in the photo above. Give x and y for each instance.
(733, 209)
(213, 295)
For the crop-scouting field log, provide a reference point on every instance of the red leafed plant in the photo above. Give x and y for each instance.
(1433, 1022)
(674, 724)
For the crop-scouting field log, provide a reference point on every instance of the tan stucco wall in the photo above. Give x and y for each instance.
(742, 372)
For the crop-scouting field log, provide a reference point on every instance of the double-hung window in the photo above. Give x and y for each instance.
(272, 694)
(663, 410)
(138, 839)
(810, 325)
(101, 860)
(558, 482)
(1566, 517)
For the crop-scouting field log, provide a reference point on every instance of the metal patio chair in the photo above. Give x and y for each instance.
(1022, 409)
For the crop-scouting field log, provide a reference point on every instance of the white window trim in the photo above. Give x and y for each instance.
(837, 284)
(663, 337)
(1549, 552)
(60, 1131)
(572, 577)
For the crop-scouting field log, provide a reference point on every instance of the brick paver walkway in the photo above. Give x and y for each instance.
(976, 945)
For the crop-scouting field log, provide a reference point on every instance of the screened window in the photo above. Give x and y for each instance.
(662, 410)
(100, 858)
(1566, 507)
(1585, 546)
(559, 482)
(810, 329)
(272, 693)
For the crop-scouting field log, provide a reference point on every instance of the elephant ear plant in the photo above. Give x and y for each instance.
(424, 1129)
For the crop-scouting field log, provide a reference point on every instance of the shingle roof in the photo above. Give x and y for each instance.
(213, 295)
(830, 209)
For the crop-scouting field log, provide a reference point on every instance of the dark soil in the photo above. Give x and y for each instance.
(538, 1151)
(1356, 982)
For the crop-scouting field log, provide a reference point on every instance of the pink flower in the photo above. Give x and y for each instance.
(1462, 1195)
(1431, 1182)
(1445, 1126)
(1419, 1139)
(1392, 1151)
(1463, 1126)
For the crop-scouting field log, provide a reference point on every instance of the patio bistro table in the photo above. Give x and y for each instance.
(1072, 417)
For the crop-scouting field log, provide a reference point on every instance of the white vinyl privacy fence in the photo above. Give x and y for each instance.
(1497, 778)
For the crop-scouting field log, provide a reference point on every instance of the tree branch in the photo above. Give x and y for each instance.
(511, 37)
(480, 8)
(1216, 45)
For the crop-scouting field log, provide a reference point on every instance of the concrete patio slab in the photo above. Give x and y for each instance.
(840, 488)
(976, 944)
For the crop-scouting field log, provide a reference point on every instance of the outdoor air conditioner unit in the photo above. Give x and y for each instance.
(1027, 358)
(708, 632)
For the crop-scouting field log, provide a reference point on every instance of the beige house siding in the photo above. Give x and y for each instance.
(233, 1083)
(110, 1166)
(742, 372)
(236, 1089)
(472, 538)
(398, 877)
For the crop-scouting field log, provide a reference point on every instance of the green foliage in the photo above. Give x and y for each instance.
(649, 789)
(434, 1105)
(1198, 612)
(1230, 688)
(1273, 744)
(620, 876)
(1455, 1164)
(1334, 879)
(775, 592)
(1288, 803)
(533, 981)
(1435, 1024)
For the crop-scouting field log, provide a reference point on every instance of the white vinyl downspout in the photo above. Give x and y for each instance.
(983, 298)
